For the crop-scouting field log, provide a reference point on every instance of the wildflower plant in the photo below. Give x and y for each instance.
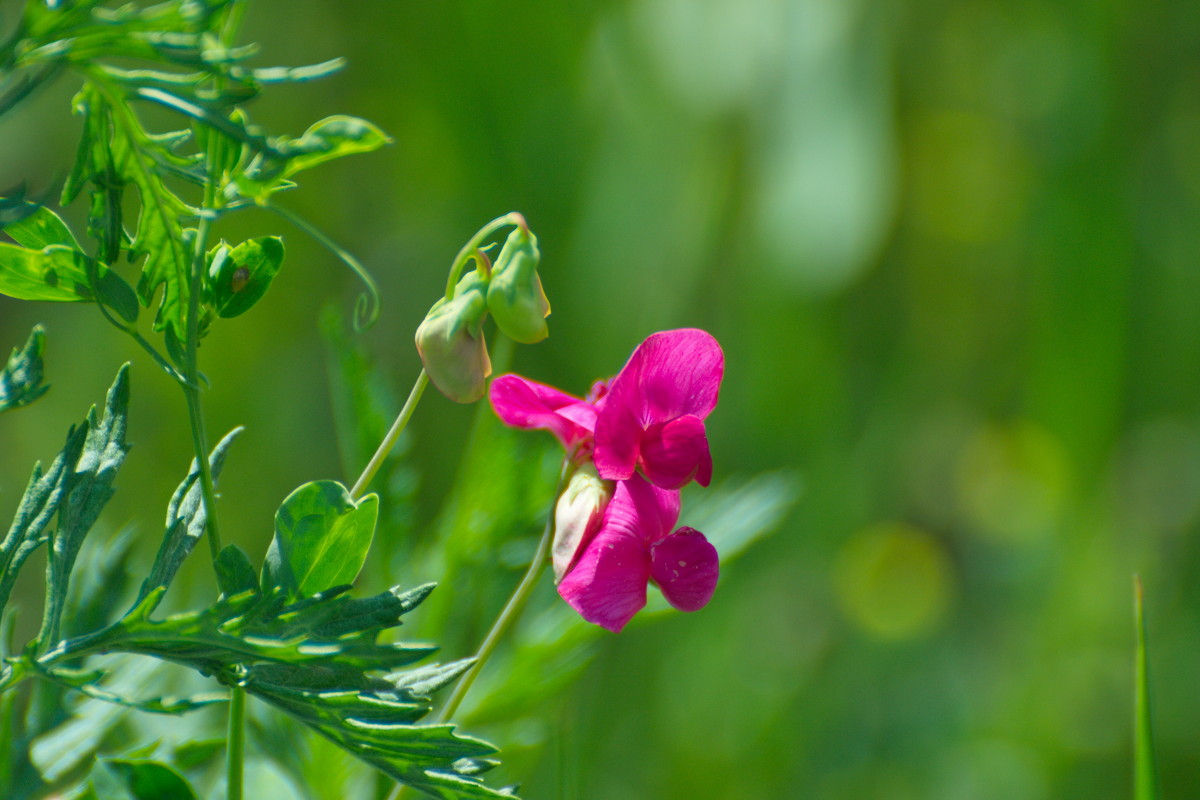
(289, 631)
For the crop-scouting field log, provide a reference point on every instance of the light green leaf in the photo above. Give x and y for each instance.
(241, 276)
(61, 274)
(321, 537)
(39, 227)
(1145, 772)
(330, 138)
(21, 378)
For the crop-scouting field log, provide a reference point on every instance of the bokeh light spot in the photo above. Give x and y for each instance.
(894, 580)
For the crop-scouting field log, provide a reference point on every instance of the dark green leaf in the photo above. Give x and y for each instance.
(241, 276)
(235, 573)
(41, 501)
(88, 486)
(21, 378)
(138, 779)
(321, 538)
(186, 518)
(319, 660)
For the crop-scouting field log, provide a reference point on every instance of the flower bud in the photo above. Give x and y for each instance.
(577, 517)
(450, 341)
(515, 296)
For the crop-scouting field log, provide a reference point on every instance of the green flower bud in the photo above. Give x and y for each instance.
(515, 295)
(450, 341)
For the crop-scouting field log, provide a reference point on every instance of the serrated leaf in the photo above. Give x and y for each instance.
(319, 660)
(186, 519)
(138, 779)
(21, 378)
(322, 536)
(88, 487)
(38, 505)
(239, 277)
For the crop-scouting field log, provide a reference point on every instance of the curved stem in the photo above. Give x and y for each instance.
(469, 249)
(389, 441)
(511, 611)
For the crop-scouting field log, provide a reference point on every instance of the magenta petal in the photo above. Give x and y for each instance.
(674, 453)
(607, 586)
(673, 373)
(685, 566)
(523, 403)
(641, 510)
(670, 375)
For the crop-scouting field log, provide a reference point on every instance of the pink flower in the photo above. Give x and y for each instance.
(607, 584)
(650, 417)
(653, 416)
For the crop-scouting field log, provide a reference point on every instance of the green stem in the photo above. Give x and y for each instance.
(235, 753)
(191, 391)
(469, 249)
(511, 611)
(389, 441)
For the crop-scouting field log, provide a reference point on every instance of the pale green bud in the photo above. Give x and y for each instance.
(577, 516)
(450, 341)
(515, 296)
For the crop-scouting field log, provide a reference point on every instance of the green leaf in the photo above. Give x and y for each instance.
(1145, 772)
(88, 487)
(321, 538)
(38, 226)
(320, 661)
(186, 518)
(241, 276)
(39, 504)
(116, 152)
(61, 274)
(21, 378)
(235, 573)
(330, 138)
(138, 779)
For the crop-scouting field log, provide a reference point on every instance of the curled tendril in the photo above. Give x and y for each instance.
(368, 304)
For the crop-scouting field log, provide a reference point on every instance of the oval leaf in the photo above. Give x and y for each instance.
(242, 277)
(332, 137)
(321, 537)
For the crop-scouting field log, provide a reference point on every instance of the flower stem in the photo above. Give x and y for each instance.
(389, 441)
(510, 613)
(235, 751)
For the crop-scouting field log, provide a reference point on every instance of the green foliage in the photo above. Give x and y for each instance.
(241, 276)
(322, 536)
(21, 378)
(318, 660)
(86, 488)
(1145, 772)
(136, 779)
(186, 517)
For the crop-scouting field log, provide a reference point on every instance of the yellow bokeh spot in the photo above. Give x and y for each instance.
(894, 580)
(1012, 481)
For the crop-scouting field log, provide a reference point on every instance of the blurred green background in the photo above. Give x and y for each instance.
(950, 249)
